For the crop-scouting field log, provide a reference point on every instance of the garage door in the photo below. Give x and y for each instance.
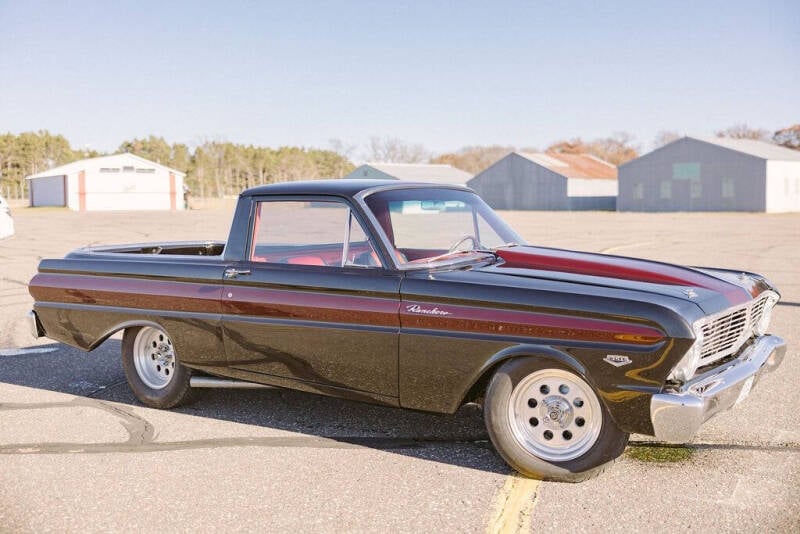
(48, 191)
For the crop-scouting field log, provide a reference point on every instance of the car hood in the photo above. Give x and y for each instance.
(710, 289)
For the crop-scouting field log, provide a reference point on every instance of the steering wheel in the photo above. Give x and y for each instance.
(464, 239)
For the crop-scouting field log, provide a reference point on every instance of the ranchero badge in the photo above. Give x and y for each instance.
(691, 293)
(616, 360)
(416, 308)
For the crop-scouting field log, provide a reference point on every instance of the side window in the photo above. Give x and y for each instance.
(309, 233)
(360, 252)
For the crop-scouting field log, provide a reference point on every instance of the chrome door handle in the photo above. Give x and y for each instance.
(231, 273)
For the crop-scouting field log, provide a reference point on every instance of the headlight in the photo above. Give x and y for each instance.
(761, 326)
(688, 364)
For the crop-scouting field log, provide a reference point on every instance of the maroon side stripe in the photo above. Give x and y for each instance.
(524, 324)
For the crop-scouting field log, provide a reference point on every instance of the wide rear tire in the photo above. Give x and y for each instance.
(548, 423)
(152, 368)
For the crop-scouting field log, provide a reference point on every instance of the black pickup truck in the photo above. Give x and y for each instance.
(420, 296)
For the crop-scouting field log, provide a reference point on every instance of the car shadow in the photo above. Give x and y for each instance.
(458, 439)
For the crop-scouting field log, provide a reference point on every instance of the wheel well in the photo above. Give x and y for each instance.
(120, 328)
(478, 389)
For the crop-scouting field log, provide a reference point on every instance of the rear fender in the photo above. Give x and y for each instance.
(121, 327)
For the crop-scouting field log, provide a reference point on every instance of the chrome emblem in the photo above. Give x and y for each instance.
(416, 308)
(616, 360)
(690, 293)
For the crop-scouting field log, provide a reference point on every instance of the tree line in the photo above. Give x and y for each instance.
(213, 168)
(217, 168)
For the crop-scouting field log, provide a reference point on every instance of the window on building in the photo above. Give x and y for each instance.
(728, 188)
(109, 169)
(695, 189)
(145, 171)
(127, 169)
(638, 191)
(685, 171)
(666, 190)
(310, 233)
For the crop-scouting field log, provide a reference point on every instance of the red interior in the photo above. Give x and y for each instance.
(311, 255)
(306, 260)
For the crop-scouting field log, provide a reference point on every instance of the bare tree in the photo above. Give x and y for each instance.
(788, 137)
(743, 131)
(616, 149)
(393, 150)
(576, 145)
(665, 137)
(474, 159)
(346, 150)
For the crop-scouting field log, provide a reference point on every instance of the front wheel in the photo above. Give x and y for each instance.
(152, 368)
(548, 423)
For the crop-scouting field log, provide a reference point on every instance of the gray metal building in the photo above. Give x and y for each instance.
(524, 181)
(712, 174)
(412, 172)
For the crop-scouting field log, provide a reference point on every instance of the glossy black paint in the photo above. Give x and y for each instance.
(349, 332)
(335, 326)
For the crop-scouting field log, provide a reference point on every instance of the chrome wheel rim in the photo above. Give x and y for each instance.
(154, 357)
(555, 415)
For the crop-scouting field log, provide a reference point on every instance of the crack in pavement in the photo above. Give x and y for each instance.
(308, 442)
(12, 281)
(141, 434)
(138, 429)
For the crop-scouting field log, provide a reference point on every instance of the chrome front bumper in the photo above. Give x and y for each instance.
(33, 323)
(679, 414)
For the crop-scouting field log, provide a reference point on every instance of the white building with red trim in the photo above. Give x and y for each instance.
(117, 182)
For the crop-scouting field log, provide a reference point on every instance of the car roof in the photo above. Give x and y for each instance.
(340, 187)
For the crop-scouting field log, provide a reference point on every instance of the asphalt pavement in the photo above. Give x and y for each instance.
(79, 453)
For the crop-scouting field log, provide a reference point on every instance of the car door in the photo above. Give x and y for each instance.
(312, 301)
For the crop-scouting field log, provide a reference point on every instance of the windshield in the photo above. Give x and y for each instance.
(424, 224)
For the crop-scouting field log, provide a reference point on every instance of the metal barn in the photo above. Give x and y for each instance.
(538, 181)
(412, 172)
(712, 174)
(118, 182)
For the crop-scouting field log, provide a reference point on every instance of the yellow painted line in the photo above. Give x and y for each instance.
(513, 506)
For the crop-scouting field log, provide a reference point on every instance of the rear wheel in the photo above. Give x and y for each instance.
(547, 422)
(152, 368)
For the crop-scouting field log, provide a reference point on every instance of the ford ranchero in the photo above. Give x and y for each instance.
(420, 296)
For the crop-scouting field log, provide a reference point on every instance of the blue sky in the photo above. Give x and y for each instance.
(443, 74)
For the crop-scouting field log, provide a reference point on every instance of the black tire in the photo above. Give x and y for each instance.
(520, 433)
(175, 390)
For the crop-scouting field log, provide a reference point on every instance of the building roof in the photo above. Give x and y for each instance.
(418, 172)
(573, 165)
(759, 149)
(116, 160)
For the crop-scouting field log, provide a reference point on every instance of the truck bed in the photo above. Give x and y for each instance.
(180, 248)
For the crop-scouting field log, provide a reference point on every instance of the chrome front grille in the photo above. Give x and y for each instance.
(725, 333)
(758, 309)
